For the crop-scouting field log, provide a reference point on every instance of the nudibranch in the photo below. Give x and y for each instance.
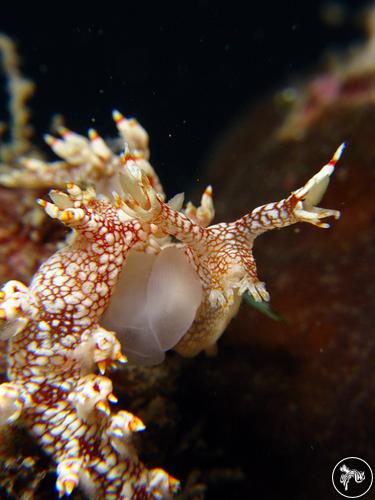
(137, 276)
(55, 343)
(220, 254)
(122, 285)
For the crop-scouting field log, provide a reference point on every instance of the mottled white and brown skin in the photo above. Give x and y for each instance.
(222, 253)
(55, 345)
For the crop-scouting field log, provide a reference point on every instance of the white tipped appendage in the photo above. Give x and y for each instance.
(92, 393)
(12, 402)
(313, 191)
(161, 484)
(141, 201)
(68, 476)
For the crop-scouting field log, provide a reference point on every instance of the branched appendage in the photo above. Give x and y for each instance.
(56, 343)
(222, 253)
(205, 213)
(298, 207)
(85, 160)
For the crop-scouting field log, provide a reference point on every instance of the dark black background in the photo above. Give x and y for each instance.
(184, 69)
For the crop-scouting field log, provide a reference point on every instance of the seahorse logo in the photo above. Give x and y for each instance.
(352, 477)
(347, 474)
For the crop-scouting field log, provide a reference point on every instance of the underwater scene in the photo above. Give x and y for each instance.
(187, 244)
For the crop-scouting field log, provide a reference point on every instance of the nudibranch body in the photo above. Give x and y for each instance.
(55, 344)
(166, 295)
(160, 276)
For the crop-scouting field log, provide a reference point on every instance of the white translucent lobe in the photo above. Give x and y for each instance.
(174, 293)
(154, 304)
